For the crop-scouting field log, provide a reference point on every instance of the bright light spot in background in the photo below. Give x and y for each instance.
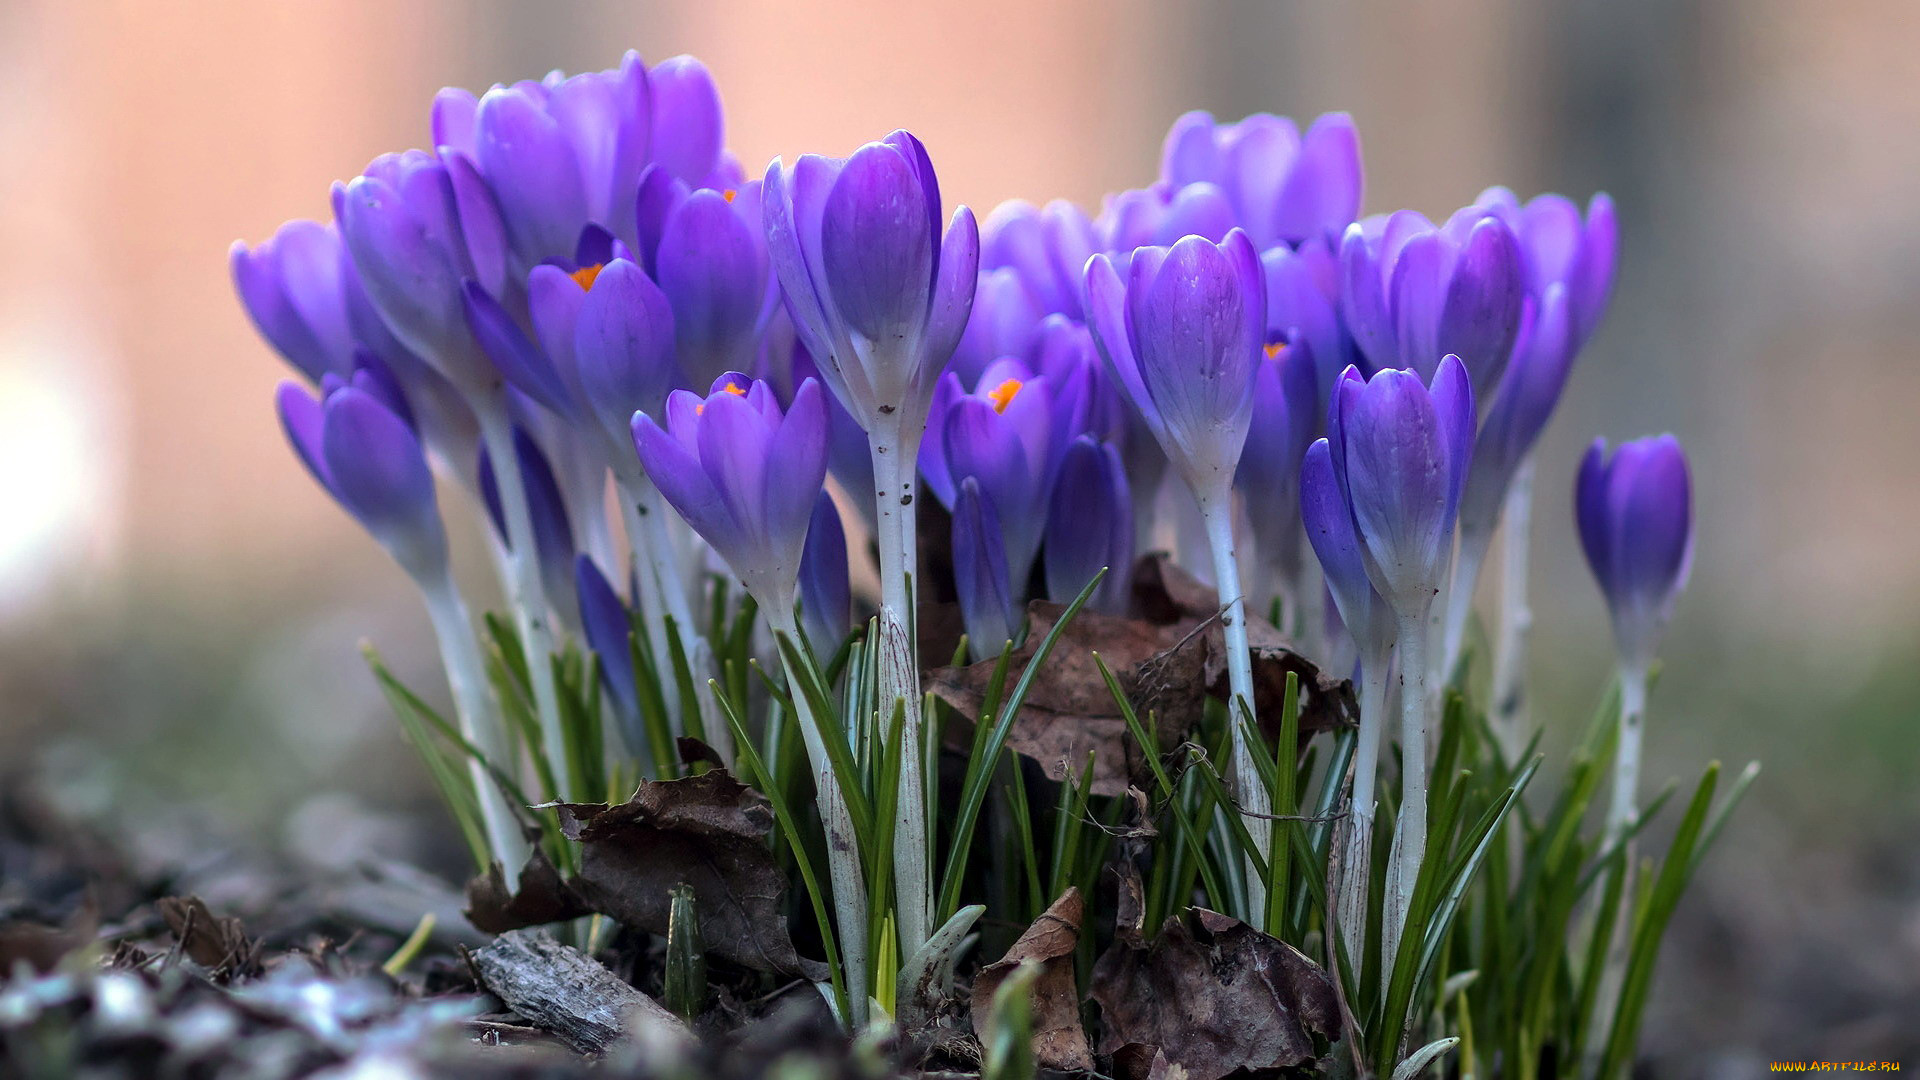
(60, 458)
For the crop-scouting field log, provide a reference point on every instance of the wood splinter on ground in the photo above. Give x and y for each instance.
(562, 989)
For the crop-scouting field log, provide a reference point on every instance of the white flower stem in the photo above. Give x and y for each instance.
(647, 520)
(1624, 810)
(650, 600)
(1515, 617)
(1356, 867)
(525, 594)
(843, 847)
(895, 454)
(1256, 802)
(1410, 829)
(479, 721)
(1622, 813)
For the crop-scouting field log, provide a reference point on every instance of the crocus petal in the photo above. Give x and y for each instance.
(1330, 530)
(875, 246)
(987, 605)
(688, 124)
(1090, 524)
(1323, 189)
(674, 468)
(379, 472)
(713, 269)
(952, 302)
(623, 346)
(301, 418)
(1399, 484)
(608, 627)
(826, 593)
(1483, 301)
(519, 361)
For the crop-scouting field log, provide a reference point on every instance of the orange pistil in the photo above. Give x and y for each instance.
(728, 194)
(1274, 350)
(1002, 395)
(732, 388)
(584, 277)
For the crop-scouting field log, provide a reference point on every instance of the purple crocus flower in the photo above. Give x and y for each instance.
(1281, 186)
(1005, 319)
(367, 457)
(1303, 302)
(848, 457)
(989, 605)
(417, 227)
(1007, 434)
(565, 152)
(1400, 452)
(1048, 247)
(1415, 292)
(295, 290)
(707, 250)
(552, 529)
(743, 474)
(605, 345)
(1636, 525)
(1543, 356)
(826, 593)
(1558, 247)
(1090, 526)
(1286, 416)
(879, 299)
(1182, 336)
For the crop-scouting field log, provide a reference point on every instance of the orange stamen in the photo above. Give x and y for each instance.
(728, 194)
(1274, 350)
(584, 277)
(1002, 395)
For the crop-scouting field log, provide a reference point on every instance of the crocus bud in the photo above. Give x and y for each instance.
(1543, 357)
(711, 264)
(743, 474)
(1286, 415)
(878, 298)
(1182, 337)
(989, 608)
(826, 594)
(1090, 526)
(1636, 525)
(1400, 452)
(1282, 187)
(292, 287)
(623, 348)
(368, 459)
(607, 624)
(1415, 292)
(552, 532)
(417, 228)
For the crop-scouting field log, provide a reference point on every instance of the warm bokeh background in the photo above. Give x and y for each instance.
(180, 606)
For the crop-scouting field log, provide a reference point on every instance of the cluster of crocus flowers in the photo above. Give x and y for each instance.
(578, 292)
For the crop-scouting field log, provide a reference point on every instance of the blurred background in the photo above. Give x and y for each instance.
(181, 608)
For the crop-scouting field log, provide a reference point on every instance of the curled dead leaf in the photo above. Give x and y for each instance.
(1059, 1042)
(217, 944)
(541, 898)
(709, 831)
(1213, 995)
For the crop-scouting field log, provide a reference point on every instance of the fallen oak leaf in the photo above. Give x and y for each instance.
(709, 831)
(41, 946)
(1059, 1042)
(1214, 996)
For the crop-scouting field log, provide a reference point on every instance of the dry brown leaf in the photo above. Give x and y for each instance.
(1059, 1042)
(709, 831)
(1213, 995)
(542, 898)
(220, 945)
